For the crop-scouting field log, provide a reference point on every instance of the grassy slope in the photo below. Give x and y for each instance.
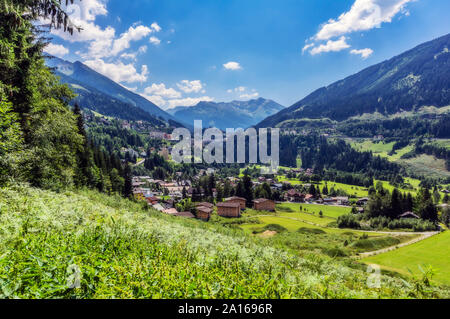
(423, 165)
(124, 251)
(433, 251)
(328, 211)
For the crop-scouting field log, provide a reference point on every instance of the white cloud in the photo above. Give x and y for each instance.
(83, 14)
(133, 34)
(307, 46)
(189, 101)
(156, 27)
(232, 66)
(131, 56)
(119, 72)
(161, 90)
(187, 86)
(142, 49)
(156, 99)
(363, 15)
(101, 42)
(155, 40)
(365, 53)
(249, 96)
(331, 46)
(243, 93)
(56, 50)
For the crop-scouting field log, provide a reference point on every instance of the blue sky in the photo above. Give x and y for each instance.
(179, 52)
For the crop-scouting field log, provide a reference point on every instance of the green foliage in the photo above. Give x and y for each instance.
(348, 221)
(305, 230)
(10, 142)
(123, 251)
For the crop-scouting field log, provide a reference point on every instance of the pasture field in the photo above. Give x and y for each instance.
(434, 252)
(332, 212)
(378, 148)
(292, 225)
(358, 191)
(426, 165)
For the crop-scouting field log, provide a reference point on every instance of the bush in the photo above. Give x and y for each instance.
(375, 243)
(275, 227)
(335, 252)
(316, 231)
(348, 221)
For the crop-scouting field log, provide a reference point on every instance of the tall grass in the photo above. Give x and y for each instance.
(126, 251)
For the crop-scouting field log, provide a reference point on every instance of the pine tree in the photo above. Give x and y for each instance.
(128, 183)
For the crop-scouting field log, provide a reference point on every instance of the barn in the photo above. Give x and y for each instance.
(228, 209)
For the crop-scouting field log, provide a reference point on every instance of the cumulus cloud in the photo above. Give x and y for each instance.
(331, 46)
(364, 53)
(189, 101)
(244, 93)
(233, 66)
(56, 50)
(155, 99)
(101, 42)
(162, 91)
(364, 15)
(119, 72)
(249, 96)
(155, 40)
(156, 27)
(187, 86)
(132, 34)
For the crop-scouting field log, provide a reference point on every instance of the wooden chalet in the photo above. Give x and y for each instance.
(228, 209)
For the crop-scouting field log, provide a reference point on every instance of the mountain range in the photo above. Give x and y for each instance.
(416, 78)
(235, 114)
(101, 94)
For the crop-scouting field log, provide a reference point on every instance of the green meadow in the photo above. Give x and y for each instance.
(126, 250)
(413, 259)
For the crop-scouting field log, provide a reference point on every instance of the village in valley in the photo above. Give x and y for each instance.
(164, 196)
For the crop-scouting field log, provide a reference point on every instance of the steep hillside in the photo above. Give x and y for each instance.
(233, 114)
(83, 80)
(418, 77)
(122, 250)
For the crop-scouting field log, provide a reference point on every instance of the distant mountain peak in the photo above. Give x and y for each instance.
(234, 114)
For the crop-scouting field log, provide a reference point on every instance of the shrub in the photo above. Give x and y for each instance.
(375, 243)
(348, 221)
(335, 252)
(275, 227)
(305, 230)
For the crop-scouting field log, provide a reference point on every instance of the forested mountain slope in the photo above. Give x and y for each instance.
(418, 77)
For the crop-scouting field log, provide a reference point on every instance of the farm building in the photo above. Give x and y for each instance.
(342, 200)
(264, 204)
(294, 196)
(205, 204)
(229, 209)
(204, 213)
(362, 201)
(241, 201)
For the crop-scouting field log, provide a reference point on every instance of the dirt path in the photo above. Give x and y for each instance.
(422, 236)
